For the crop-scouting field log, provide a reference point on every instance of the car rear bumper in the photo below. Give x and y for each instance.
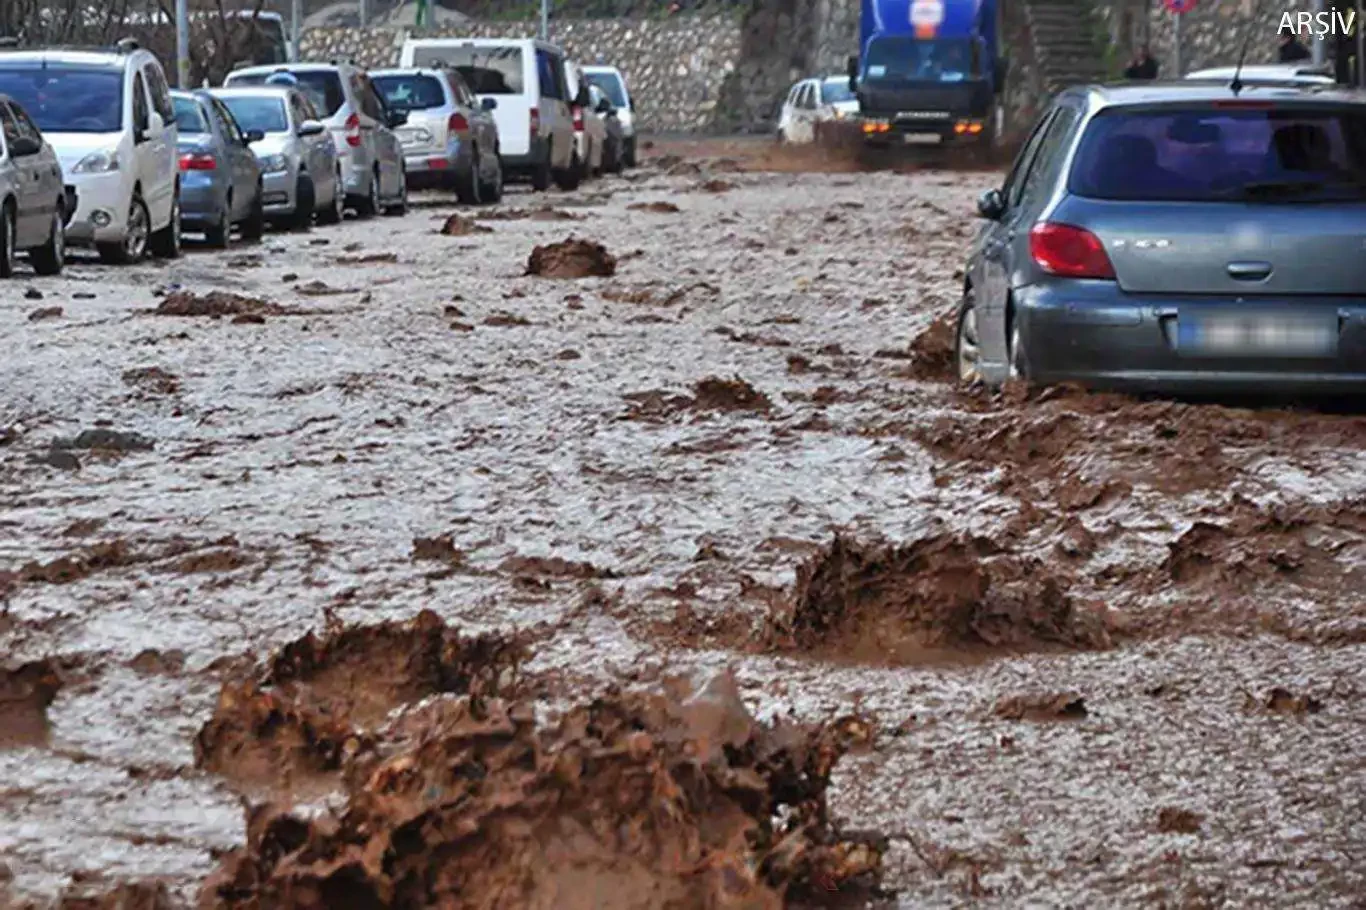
(200, 202)
(455, 158)
(1091, 333)
(278, 193)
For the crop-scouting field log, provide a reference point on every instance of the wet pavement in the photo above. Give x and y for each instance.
(1110, 651)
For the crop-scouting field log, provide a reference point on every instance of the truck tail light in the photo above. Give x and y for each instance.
(578, 120)
(1069, 251)
(457, 123)
(353, 130)
(535, 121)
(198, 162)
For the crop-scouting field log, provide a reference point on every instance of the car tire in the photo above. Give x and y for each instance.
(967, 342)
(469, 187)
(628, 157)
(570, 178)
(305, 199)
(541, 176)
(255, 225)
(50, 258)
(492, 191)
(165, 243)
(400, 208)
(335, 211)
(8, 252)
(219, 235)
(368, 206)
(133, 247)
(1019, 357)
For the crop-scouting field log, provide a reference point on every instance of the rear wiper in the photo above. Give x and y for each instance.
(1262, 188)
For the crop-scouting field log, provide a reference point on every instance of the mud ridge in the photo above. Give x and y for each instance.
(572, 258)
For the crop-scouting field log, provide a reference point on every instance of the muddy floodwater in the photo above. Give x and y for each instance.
(661, 480)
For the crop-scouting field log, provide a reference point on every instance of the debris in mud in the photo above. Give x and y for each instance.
(1042, 707)
(108, 440)
(439, 549)
(317, 288)
(656, 208)
(111, 554)
(544, 213)
(459, 226)
(715, 185)
(32, 294)
(101, 895)
(214, 303)
(505, 319)
(655, 800)
(60, 459)
(552, 567)
(894, 602)
(26, 691)
(1283, 701)
(369, 258)
(932, 355)
(153, 380)
(249, 319)
(1175, 820)
(571, 258)
(47, 312)
(716, 394)
(651, 296)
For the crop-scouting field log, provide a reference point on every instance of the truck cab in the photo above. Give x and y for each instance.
(929, 72)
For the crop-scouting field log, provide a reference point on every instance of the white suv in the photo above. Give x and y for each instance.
(527, 79)
(612, 83)
(109, 117)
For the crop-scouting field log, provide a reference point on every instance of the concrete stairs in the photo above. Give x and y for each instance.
(1065, 46)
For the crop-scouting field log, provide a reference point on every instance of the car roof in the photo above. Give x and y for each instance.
(1264, 71)
(111, 59)
(268, 68)
(484, 42)
(1195, 90)
(602, 68)
(844, 79)
(409, 71)
(229, 91)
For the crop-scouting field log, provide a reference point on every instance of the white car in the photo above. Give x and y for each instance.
(527, 79)
(613, 84)
(1269, 74)
(590, 132)
(109, 116)
(814, 101)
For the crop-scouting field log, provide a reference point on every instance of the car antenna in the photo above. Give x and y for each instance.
(1236, 85)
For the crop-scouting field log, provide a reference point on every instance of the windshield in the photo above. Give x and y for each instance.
(610, 85)
(1214, 153)
(487, 70)
(905, 58)
(264, 114)
(410, 93)
(833, 91)
(323, 87)
(189, 118)
(67, 99)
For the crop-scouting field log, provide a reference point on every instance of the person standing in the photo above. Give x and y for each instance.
(1291, 50)
(1142, 66)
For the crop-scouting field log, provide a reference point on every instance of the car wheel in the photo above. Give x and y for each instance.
(50, 258)
(165, 243)
(219, 235)
(492, 192)
(540, 178)
(7, 237)
(967, 342)
(334, 212)
(305, 199)
(369, 204)
(255, 225)
(133, 246)
(570, 178)
(1019, 358)
(629, 159)
(400, 207)
(469, 188)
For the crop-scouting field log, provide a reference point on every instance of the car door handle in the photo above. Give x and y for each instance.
(1249, 271)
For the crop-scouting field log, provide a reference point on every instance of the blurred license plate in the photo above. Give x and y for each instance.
(923, 138)
(1269, 336)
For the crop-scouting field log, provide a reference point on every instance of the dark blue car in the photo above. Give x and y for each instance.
(220, 179)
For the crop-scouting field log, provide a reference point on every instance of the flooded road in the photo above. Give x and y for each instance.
(1109, 651)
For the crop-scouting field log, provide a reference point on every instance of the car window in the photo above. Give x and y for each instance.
(548, 72)
(1212, 152)
(487, 70)
(366, 97)
(1014, 184)
(262, 112)
(9, 126)
(1046, 164)
(26, 126)
(228, 122)
(411, 91)
(309, 109)
(189, 116)
(323, 87)
(160, 92)
(462, 92)
(611, 86)
(836, 90)
(66, 98)
(141, 120)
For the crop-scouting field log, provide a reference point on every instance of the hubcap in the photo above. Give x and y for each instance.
(135, 238)
(58, 238)
(338, 196)
(1015, 354)
(374, 191)
(969, 350)
(175, 225)
(11, 242)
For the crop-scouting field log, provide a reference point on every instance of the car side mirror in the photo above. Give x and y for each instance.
(991, 205)
(25, 146)
(489, 104)
(311, 128)
(254, 136)
(396, 118)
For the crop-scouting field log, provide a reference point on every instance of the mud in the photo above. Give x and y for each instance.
(458, 225)
(216, 304)
(571, 258)
(632, 800)
(26, 691)
(657, 208)
(932, 351)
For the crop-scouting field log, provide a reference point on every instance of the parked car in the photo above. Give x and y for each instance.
(301, 173)
(813, 102)
(362, 129)
(1176, 237)
(108, 115)
(614, 142)
(451, 136)
(527, 79)
(33, 199)
(1270, 74)
(590, 132)
(220, 180)
(613, 85)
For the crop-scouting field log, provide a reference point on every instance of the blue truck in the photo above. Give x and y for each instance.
(929, 72)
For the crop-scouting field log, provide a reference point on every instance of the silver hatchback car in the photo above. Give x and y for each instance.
(1177, 237)
(300, 172)
(34, 203)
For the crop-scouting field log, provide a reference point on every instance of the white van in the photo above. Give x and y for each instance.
(527, 81)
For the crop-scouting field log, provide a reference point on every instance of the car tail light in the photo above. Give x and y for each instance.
(535, 121)
(1069, 251)
(457, 123)
(198, 162)
(353, 130)
(578, 120)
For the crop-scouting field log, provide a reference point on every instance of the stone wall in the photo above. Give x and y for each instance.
(1211, 34)
(675, 67)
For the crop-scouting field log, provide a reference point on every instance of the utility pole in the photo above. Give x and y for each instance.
(1176, 41)
(296, 15)
(1317, 48)
(182, 43)
(545, 20)
(364, 13)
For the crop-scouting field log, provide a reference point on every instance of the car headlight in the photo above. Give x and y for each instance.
(97, 163)
(839, 114)
(272, 163)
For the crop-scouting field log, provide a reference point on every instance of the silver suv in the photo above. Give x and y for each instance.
(362, 129)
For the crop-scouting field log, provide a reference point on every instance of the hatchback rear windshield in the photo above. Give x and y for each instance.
(189, 118)
(264, 114)
(1223, 153)
(487, 70)
(410, 93)
(610, 85)
(323, 87)
(67, 99)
